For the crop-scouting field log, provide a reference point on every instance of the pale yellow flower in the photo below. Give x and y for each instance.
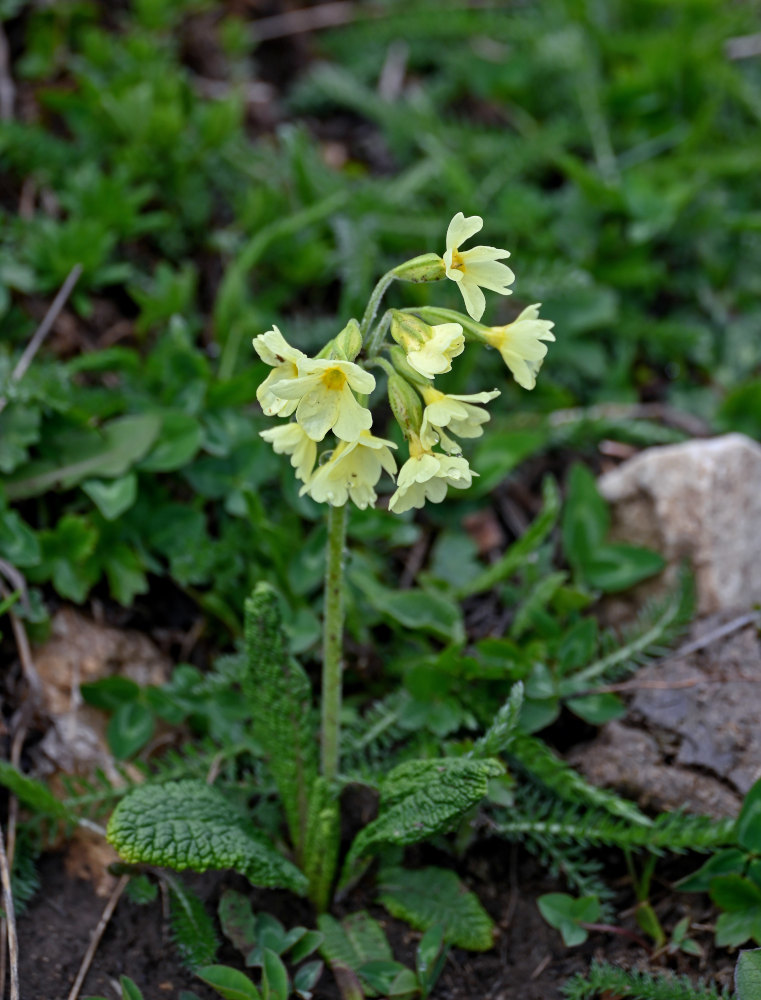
(426, 475)
(476, 268)
(457, 413)
(434, 355)
(352, 471)
(521, 344)
(291, 439)
(325, 400)
(275, 351)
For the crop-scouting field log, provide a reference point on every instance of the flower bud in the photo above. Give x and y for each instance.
(405, 369)
(405, 405)
(408, 330)
(348, 343)
(428, 267)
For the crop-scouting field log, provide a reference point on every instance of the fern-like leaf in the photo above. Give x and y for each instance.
(191, 926)
(675, 832)
(25, 880)
(189, 824)
(535, 758)
(500, 734)
(280, 697)
(373, 743)
(432, 896)
(33, 793)
(420, 799)
(659, 625)
(604, 979)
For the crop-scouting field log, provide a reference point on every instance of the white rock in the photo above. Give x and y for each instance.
(700, 500)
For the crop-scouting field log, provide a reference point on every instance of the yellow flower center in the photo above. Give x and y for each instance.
(458, 264)
(334, 379)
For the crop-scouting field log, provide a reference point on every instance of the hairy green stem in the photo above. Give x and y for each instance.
(332, 642)
(374, 302)
(435, 314)
(375, 340)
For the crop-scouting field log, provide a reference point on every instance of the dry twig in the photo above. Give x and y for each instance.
(97, 935)
(10, 919)
(7, 86)
(44, 328)
(298, 22)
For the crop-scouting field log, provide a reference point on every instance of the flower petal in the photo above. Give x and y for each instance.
(490, 274)
(475, 301)
(317, 413)
(351, 418)
(477, 254)
(461, 229)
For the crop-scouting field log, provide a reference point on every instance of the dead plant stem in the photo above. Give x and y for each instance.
(10, 918)
(44, 328)
(97, 935)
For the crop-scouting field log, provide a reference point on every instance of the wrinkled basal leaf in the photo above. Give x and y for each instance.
(421, 798)
(189, 824)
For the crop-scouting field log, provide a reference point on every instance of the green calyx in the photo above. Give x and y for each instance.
(405, 405)
(427, 267)
(405, 369)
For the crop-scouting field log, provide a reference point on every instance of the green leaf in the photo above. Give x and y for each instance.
(191, 926)
(304, 947)
(321, 841)
(566, 914)
(749, 820)
(305, 978)
(66, 552)
(500, 733)
(279, 694)
(381, 976)
(586, 518)
(728, 862)
(517, 554)
(178, 442)
(429, 897)
(275, 982)
(421, 798)
(612, 568)
(113, 497)
(189, 824)
(597, 709)
(18, 543)
(349, 945)
(748, 975)
(129, 989)
(109, 693)
(428, 611)
(131, 727)
(229, 983)
(33, 793)
(734, 929)
(19, 429)
(430, 958)
(237, 920)
(108, 453)
(735, 893)
(741, 409)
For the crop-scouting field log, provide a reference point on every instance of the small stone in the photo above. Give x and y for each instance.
(691, 738)
(700, 500)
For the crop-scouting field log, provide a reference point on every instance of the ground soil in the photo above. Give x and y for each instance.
(528, 962)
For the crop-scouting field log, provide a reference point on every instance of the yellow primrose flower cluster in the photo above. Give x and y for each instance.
(329, 393)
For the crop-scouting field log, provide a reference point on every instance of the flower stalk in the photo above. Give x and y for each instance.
(332, 642)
